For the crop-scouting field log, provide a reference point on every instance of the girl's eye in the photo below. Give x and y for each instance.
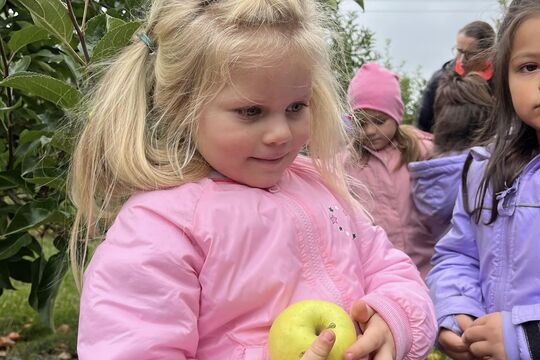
(250, 111)
(296, 107)
(528, 68)
(374, 121)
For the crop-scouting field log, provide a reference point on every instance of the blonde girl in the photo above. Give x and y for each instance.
(190, 148)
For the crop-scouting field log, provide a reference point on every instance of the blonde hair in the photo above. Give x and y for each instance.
(140, 126)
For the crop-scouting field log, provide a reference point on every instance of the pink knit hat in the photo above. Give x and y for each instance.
(376, 88)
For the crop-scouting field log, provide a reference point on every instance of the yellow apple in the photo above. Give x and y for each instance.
(295, 329)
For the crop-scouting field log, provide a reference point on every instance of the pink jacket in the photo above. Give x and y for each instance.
(391, 203)
(200, 271)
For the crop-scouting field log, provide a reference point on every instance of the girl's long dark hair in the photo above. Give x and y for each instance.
(462, 106)
(514, 143)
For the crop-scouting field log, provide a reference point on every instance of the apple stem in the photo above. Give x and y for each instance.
(331, 326)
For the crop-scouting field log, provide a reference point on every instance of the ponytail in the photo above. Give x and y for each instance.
(118, 151)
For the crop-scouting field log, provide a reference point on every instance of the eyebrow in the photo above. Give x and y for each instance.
(525, 55)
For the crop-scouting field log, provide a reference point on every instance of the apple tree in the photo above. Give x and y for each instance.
(47, 52)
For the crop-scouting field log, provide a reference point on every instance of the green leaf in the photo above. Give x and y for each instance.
(52, 16)
(20, 65)
(61, 243)
(62, 141)
(25, 36)
(45, 87)
(46, 281)
(96, 27)
(5, 283)
(51, 177)
(361, 3)
(12, 245)
(21, 270)
(114, 40)
(17, 105)
(30, 215)
(332, 3)
(2, 3)
(8, 181)
(113, 23)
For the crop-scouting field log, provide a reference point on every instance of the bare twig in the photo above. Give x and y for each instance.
(80, 34)
(85, 13)
(9, 102)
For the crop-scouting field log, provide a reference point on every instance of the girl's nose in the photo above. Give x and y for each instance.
(278, 132)
(369, 130)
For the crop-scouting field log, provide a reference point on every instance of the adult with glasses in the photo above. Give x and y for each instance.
(470, 55)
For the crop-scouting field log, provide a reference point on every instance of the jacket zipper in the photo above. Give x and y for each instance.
(311, 246)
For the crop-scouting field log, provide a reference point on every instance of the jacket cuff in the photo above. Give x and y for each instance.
(395, 317)
(455, 305)
(450, 323)
(511, 343)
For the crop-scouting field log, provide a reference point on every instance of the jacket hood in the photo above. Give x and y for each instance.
(435, 185)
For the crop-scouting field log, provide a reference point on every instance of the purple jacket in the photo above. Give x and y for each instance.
(480, 269)
(435, 185)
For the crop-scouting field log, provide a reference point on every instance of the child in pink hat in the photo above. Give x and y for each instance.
(378, 158)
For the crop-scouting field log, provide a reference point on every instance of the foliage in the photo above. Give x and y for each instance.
(503, 6)
(411, 91)
(48, 49)
(355, 45)
(352, 46)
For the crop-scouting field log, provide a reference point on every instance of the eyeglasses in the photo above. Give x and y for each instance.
(461, 53)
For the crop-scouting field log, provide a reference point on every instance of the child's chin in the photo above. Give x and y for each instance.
(377, 145)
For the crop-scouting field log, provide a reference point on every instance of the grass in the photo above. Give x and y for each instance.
(38, 341)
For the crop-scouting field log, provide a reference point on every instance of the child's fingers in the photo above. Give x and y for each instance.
(364, 346)
(386, 352)
(464, 321)
(361, 312)
(321, 347)
(372, 340)
(474, 334)
(453, 346)
(481, 349)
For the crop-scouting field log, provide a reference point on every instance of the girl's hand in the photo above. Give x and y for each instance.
(321, 347)
(452, 344)
(485, 337)
(376, 340)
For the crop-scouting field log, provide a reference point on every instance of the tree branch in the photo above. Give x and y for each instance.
(80, 34)
(85, 13)
(9, 102)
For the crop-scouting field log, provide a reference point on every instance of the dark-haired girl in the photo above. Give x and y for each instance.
(485, 282)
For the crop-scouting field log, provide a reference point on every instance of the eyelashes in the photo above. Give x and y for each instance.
(250, 112)
(527, 68)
